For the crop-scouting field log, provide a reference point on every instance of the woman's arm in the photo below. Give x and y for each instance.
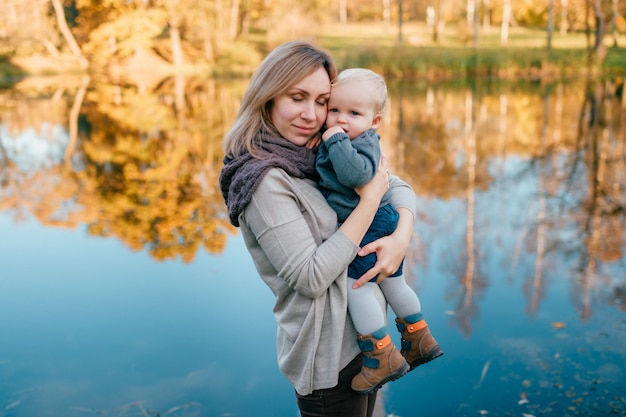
(390, 250)
(359, 221)
(285, 240)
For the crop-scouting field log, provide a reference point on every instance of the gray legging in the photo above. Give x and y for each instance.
(364, 308)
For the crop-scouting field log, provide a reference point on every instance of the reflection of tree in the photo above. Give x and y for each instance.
(4, 161)
(427, 161)
(436, 158)
(618, 296)
(395, 153)
(472, 284)
(143, 168)
(144, 165)
(534, 288)
(602, 215)
(73, 120)
(615, 185)
(41, 188)
(148, 163)
(53, 196)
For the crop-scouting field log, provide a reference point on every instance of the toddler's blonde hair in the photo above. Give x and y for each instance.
(368, 76)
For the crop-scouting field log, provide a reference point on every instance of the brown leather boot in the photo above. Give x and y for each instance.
(381, 363)
(418, 345)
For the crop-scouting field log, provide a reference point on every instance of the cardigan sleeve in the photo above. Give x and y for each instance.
(297, 233)
(402, 195)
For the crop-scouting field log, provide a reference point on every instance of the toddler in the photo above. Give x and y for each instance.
(348, 158)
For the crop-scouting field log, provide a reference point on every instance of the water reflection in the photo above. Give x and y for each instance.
(518, 256)
(564, 143)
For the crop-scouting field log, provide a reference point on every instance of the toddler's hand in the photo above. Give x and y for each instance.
(331, 131)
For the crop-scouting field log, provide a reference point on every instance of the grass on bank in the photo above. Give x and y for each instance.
(376, 46)
(525, 53)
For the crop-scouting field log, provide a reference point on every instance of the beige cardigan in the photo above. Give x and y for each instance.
(292, 236)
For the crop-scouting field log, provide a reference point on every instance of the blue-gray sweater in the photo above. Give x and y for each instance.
(344, 165)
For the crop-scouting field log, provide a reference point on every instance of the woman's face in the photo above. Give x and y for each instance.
(300, 113)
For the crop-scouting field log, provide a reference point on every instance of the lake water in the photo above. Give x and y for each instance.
(123, 291)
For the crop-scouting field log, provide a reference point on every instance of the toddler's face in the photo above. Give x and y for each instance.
(351, 107)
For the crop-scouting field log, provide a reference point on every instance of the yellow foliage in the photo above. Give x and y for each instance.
(145, 170)
(121, 37)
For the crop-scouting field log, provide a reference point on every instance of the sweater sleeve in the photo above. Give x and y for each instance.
(402, 195)
(355, 162)
(296, 232)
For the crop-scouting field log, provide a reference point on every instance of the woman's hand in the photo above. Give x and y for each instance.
(314, 141)
(390, 250)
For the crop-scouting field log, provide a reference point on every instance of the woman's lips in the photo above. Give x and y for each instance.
(304, 130)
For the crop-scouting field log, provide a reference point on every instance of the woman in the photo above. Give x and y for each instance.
(269, 184)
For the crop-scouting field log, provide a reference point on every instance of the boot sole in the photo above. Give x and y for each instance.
(392, 377)
(433, 354)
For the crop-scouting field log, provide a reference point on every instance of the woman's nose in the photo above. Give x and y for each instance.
(308, 112)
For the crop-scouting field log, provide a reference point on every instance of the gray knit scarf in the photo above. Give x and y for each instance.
(241, 176)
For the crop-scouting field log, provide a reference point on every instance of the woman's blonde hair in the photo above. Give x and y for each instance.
(280, 70)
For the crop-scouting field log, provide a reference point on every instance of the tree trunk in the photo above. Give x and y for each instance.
(563, 29)
(219, 25)
(486, 14)
(600, 30)
(506, 22)
(177, 50)
(431, 20)
(234, 20)
(400, 12)
(475, 24)
(615, 16)
(67, 34)
(343, 11)
(174, 29)
(387, 13)
(587, 26)
(440, 16)
(207, 40)
(471, 10)
(550, 22)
